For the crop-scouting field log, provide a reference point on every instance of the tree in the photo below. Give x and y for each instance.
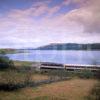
(5, 62)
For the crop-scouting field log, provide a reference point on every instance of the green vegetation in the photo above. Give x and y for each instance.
(85, 74)
(7, 51)
(23, 63)
(12, 51)
(5, 62)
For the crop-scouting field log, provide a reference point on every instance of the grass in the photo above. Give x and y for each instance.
(7, 51)
(38, 77)
(19, 77)
(95, 92)
(75, 89)
(21, 63)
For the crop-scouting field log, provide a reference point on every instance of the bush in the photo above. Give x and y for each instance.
(5, 62)
(86, 74)
(12, 79)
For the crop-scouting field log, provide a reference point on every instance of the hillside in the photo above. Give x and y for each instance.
(70, 46)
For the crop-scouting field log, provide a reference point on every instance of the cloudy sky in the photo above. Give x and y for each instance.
(32, 23)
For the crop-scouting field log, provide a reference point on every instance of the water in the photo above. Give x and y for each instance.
(64, 57)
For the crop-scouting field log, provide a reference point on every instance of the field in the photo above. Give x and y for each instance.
(74, 89)
(21, 63)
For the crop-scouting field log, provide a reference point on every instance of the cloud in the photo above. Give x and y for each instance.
(28, 28)
(88, 16)
(93, 25)
(36, 10)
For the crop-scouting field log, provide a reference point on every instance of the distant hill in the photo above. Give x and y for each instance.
(70, 46)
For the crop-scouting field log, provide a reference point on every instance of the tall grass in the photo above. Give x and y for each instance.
(12, 79)
(95, 92)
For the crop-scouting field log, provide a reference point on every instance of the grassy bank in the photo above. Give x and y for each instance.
(75, 89)
(23, 63)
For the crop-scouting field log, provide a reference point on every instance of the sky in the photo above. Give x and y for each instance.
(33, 23)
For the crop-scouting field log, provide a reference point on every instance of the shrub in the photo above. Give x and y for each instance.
(5, 62)
(86, 74)
(12, 79)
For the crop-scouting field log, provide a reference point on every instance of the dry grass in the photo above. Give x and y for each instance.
(72, 90)
(21, 63)
(75, 89)
(38, 77)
